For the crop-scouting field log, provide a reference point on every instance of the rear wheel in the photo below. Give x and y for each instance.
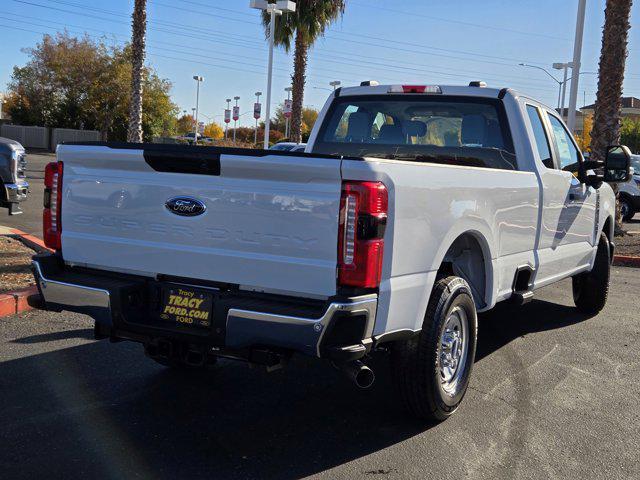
(432, 370)
(590, 289)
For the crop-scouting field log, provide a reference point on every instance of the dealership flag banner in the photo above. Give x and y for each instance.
(287, 108)
(227, 115)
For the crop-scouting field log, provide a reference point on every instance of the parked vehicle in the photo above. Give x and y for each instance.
(299, 148)
(287, 146)
(13, 164)
(415, 208)
(630, 191)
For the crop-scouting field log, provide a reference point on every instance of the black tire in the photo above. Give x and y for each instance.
(416, 362)
(590, 289)
(627, 210)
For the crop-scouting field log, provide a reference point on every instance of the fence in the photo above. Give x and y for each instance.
(59, 135)
(46, 138)
(29, 137)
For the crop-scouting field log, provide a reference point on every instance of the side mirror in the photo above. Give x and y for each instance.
(617, 164)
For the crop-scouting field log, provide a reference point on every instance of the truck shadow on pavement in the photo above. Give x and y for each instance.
(105, 411)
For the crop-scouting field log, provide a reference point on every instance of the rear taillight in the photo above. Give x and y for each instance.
(51, 225)
(363, 218)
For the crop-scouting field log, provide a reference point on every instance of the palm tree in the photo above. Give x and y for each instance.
(613, 56)
(139, 28)
(310, 20)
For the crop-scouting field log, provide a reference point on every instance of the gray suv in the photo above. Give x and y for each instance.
(13, 183)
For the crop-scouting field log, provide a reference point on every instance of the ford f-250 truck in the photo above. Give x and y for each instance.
(412, 208)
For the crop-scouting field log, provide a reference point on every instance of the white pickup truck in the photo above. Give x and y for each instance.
(412, 208)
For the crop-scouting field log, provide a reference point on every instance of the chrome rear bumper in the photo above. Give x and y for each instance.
(60, 295)
(244, 328)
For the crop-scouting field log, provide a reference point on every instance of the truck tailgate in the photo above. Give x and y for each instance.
(271, 221)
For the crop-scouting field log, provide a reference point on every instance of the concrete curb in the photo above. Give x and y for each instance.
(18, 301)
(25, 299)
(626, 261)
(30, 241)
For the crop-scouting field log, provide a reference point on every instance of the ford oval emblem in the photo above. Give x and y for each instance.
(185, 206)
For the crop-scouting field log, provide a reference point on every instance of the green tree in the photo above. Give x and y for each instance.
(138, 40)
(303, 27)
(630, 134)
(613, 57)
(72, 82)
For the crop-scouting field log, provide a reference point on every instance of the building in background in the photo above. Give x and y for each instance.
(630, 108)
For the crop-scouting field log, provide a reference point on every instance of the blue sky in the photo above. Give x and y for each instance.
(405, 41)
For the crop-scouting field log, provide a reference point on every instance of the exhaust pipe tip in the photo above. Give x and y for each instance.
(359, 374)
(365, 377)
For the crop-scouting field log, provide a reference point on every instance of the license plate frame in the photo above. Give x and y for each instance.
(184, 306)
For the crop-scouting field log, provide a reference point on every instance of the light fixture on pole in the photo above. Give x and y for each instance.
(547, 72)
(335, 84)
(236, 116)
(256, 114)
(286, 111)
(227, 117)
(278, 8)
(198, 80)
(577, 55)
(565, 68)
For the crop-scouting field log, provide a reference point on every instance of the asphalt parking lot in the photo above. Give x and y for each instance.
(554, 395)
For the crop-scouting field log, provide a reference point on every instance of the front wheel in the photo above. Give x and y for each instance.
(590, 289)
(432, 370)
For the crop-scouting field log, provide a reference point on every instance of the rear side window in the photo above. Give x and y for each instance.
(540, 136)
(450, 130)
(567, 151)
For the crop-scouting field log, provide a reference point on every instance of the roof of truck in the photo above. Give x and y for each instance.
(463, 90)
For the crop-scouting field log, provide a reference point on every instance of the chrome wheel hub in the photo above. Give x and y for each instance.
(452, 353)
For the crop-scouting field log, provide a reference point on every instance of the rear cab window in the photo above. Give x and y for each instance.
(540, 136)
(469, 131)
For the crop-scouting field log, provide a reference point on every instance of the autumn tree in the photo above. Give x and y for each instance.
(214, 131)
(80, 83)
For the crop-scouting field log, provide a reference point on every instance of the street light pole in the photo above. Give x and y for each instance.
(286, 118)
(235, 119)
(278, 8)
(267, 123)
(256, 114)
(226, 124)
(547, 72)
(563, 90)
(335, 84)
(577, 55)
(198, 79)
